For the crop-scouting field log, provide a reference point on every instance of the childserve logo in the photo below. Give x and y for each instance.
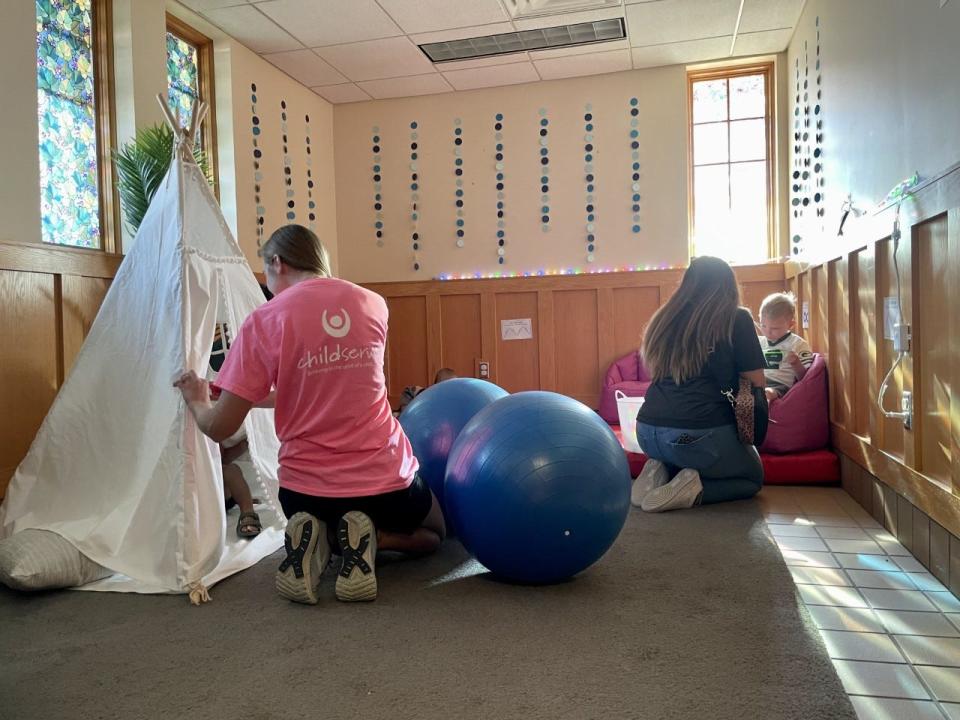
(336, 325)
(334, 357)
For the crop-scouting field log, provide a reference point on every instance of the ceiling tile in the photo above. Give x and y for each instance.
(567, 18)
(305, 67)
(590, 49)
(422, 16)
(331, 22)
(758, 43)
(483, 62)
(770, 14)
(462, 33)
(492, 76)
(681, 53)
(345, 93)
(377, 59)
(578, 65)
(680, 20)
(204, 5)
(253, 29)
(407, 86)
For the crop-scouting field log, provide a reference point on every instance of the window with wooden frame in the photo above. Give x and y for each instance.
(189, 79)
(731, 171)
(78, 204)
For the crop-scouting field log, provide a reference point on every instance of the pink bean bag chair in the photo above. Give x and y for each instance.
(627, 375)
(800, 420)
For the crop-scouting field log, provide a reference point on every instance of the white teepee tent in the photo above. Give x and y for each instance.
(118, 467)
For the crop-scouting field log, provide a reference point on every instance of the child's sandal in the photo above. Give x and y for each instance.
(248, 525)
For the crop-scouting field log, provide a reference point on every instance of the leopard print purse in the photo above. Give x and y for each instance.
(751, 412)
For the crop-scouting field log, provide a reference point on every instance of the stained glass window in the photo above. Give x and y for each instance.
(69, 193)
(731, 194)
(183, 72)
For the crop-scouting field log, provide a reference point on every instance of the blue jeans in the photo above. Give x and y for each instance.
(729, 470)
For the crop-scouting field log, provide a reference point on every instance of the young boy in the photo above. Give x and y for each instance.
(788, 355)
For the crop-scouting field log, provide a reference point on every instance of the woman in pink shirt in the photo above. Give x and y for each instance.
(315, 353)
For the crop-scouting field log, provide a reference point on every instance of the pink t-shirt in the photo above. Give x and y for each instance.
(320, 343)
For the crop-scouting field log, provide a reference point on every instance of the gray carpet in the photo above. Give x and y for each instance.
(690, 615)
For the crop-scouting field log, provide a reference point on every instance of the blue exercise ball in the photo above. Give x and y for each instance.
(434, 418)
(538, 487)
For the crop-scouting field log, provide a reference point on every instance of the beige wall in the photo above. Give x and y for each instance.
(891, 98)
(663, 182)
(20, 181)
(274, 87)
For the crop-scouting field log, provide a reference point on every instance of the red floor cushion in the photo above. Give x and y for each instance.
(811, 467)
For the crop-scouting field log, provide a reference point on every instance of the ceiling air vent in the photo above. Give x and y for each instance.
(540, 39)
(534, 8)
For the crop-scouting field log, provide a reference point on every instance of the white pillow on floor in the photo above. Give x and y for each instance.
(42, 560)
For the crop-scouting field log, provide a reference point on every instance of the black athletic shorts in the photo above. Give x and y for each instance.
(398, 511)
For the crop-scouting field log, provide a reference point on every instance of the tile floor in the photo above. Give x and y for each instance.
(891, 628)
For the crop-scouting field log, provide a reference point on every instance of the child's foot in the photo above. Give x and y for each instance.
(653, 475)
(683, 491)
(308, 553)
(357, 580)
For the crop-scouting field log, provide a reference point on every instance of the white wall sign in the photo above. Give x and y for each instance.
(520, 329)
(891, 317)
(805, 315)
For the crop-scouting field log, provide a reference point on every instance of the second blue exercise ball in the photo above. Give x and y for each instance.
(435, 417)
(538, 487)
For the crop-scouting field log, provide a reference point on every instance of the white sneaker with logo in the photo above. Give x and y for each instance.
(683, 491)
(653, 475)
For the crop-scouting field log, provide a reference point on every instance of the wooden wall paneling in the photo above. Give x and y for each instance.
(577, 344)
(890, 430)
(28, 362)
(546, 343)
(819, 307)
(518, 361)
(434, 335)
(935, 332)
(804, 297)
(489, 332)
(863, 344)
(408, 362)
(81, 298)
(838, 320)
(606, 331)
(633, 307)
(753, 293)
(461, 333)
(953, 245)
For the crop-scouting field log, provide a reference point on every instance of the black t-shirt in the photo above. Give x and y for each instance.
(698, 403)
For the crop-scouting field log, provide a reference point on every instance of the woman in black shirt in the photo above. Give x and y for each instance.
(698, 343)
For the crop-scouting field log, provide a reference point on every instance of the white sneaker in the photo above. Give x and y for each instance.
(357, 580)
(682, 492)
(308, 553)
(653, 475)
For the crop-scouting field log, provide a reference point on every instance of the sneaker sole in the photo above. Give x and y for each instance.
(688, 480)
(304, 589)
(647, 481)
(357, 586)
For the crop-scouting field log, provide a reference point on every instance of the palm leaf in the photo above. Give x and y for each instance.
(141, 166)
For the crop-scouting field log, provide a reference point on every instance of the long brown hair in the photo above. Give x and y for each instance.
(298, 247)
(682, 333)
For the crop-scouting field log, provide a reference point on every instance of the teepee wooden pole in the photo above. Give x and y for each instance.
(171, 120)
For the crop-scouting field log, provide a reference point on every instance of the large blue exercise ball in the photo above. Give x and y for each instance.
(435, 417)
(538, 487)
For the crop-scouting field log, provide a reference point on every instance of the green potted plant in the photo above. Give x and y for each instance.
(141, 166)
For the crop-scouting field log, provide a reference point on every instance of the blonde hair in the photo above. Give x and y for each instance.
(298, 247)
(779, 305)
(682, 334)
